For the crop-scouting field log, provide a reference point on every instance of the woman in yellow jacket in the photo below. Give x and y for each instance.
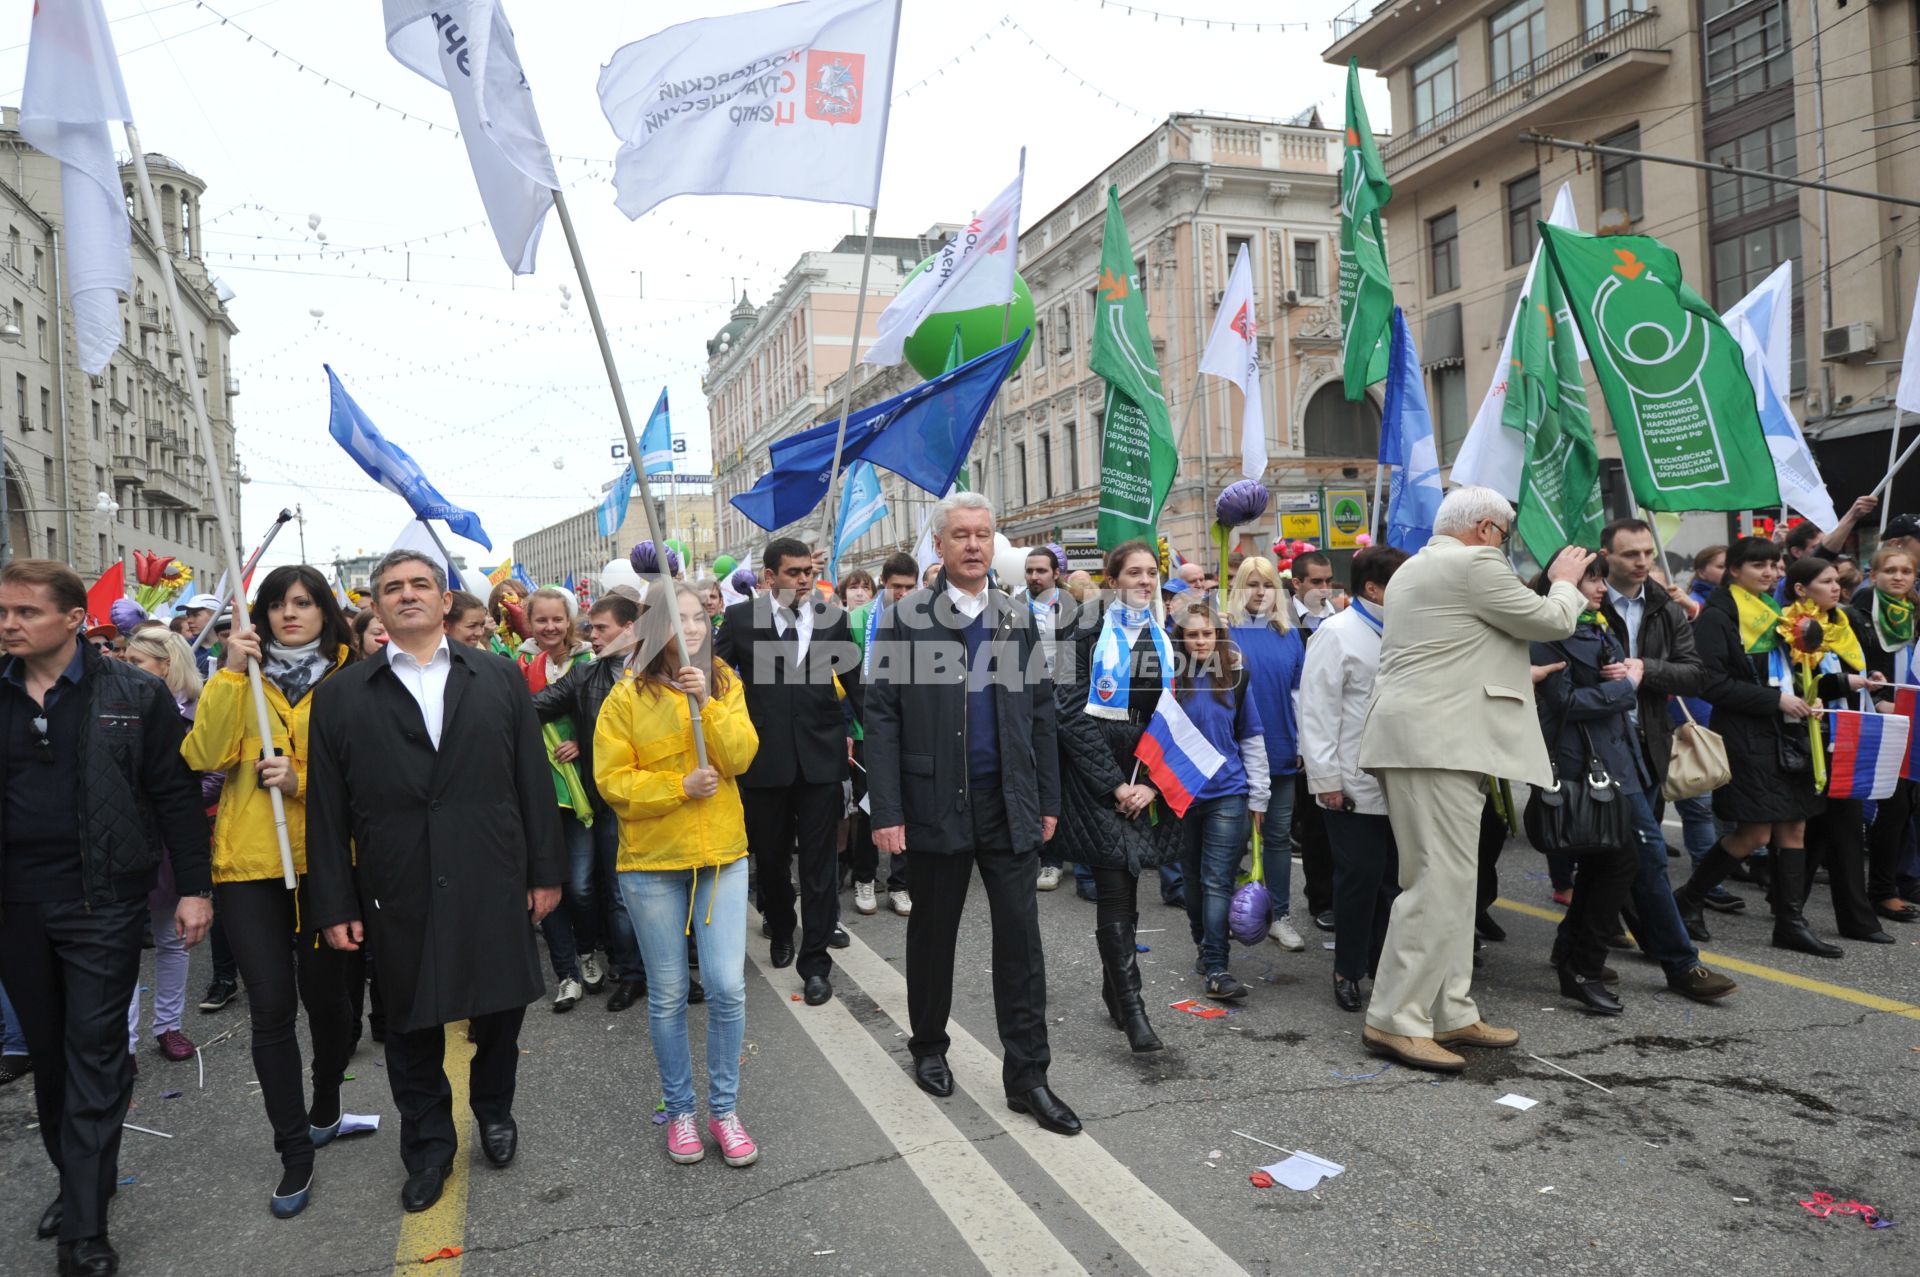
(308, 639)
(683, 846)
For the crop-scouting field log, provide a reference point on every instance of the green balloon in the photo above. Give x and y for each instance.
(980, 330)
(723, 566)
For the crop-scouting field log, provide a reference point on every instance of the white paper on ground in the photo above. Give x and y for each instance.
(1303, 1171)
(1520, 1102)
(354, 1123)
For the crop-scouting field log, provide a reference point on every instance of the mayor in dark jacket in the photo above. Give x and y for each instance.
(796, 658)
(964, 770)
(433, 835)
(95, 791)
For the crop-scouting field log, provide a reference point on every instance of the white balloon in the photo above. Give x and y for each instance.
(1009, 563)
(559, 463)
(316, 312)
(619, 572)
(313, 221)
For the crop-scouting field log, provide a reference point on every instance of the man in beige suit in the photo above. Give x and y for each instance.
(1452, 705)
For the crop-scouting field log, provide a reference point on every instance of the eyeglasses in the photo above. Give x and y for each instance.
(44, 745)
(1506, 533)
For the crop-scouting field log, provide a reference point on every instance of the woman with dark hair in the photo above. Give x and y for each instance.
(1586, 711)
(284, 965)
(1761, 715)
(856, 588)
(369, 636)
(467, 621)
(1110, 820)
(1893, 648)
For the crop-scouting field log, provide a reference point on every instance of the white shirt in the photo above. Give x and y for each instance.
(783, 617)
(1310, 621)
(968, 605)
(1335, 684)
(427, 683)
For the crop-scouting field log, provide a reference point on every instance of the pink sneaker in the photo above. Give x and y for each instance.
(683, 1139)
(175, 1045)
(736, 1146)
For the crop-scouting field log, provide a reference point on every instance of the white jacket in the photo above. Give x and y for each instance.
(1335, 685)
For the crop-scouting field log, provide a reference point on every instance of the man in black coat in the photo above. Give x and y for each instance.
(790, 645)
(964, 769)
(433, 834)
(92, 790)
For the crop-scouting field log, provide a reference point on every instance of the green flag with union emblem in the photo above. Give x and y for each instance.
(1560, 501)
(1366, 290)
(1137, 454)
(1672, 374)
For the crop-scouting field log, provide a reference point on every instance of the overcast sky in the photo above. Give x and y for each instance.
(488, 381)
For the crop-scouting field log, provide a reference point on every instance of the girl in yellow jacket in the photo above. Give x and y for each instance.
(683, 843)
(307, 639)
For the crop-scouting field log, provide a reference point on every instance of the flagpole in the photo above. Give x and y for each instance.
(209, 449)
(1893, 447)
(853, 368)
(660, 551)
(286, 516)
(1378, 520)
(1886, 484)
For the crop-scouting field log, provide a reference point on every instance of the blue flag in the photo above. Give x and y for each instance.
(656, 441)
(1406, 444)
(613, 507)
(861, 506)
(922, 436)
(392, 468)
(525, 578)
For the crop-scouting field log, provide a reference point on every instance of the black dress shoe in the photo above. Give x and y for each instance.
(1592, 995)
(1876, 936)
(422, 1188)
(766, 929)
(88, 1257)
(1347, 993)
(1324, 920)
(49, 1225)
(499, 1140)
(931, 1074)
(780, 953)
(1489, 929)
(839, 939)
(1046, 1108)
(819, 990)
(625, 994)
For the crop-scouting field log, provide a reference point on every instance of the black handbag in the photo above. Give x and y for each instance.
(1578, 816)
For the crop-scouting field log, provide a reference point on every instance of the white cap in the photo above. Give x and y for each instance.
(202, 602)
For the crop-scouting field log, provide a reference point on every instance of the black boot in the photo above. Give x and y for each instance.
(1106, 990)
(1691, 897)
(1790, 929)
(1123, 977)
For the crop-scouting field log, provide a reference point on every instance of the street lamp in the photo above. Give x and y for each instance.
(11, 334)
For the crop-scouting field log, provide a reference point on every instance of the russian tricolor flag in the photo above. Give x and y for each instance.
(1906, 704)
(1178, 757)
(1869, 751)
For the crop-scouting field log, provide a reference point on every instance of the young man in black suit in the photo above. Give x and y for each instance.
(795, 655)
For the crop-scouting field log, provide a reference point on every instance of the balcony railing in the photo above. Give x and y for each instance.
(156, 430)
(1559, 65)
(150, 318)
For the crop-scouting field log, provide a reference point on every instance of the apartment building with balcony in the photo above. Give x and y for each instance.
(1808, 88)
(129, 432)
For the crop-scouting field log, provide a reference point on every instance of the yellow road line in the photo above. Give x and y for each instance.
(445, 1224)
(1806, 984)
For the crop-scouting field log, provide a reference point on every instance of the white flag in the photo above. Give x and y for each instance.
(1907, 395)
(974, 268)
(788, 101)
(1762, 322)
(1492, 456)
(73, 89)
(466, 47)
(1233, 352)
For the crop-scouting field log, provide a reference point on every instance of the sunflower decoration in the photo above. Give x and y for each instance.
(1808, 640)
(159, 578)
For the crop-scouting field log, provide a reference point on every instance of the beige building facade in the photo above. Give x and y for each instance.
(130, 432)
(1818, 89)
(574, 547)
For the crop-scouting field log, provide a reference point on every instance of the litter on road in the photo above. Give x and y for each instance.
(356, 1123)
(1569, 1072)
(146, 1130)
(1520, 1102)
(1194, 1008)
(1303, 1171)
(1825, 1206)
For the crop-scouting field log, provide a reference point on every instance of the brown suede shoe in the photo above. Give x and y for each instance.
(1479, 1033)
(1419, 1053)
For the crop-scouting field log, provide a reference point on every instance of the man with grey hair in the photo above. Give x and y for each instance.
(1452, 705)
(965, 771)
(433, 836)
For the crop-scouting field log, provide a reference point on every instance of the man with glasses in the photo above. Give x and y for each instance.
(1453, 704)
(94, 786)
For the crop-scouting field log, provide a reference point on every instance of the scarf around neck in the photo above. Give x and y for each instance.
(1759, 620)
(295, 670)
(1112, 683)
(1892, 620)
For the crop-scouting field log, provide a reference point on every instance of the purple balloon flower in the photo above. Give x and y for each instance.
(744, 581)
(1241, 503)
(125, 614)
(647, 563)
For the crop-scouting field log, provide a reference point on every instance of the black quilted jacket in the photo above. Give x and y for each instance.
(134, 794)
(578, 695)
(1096, 757)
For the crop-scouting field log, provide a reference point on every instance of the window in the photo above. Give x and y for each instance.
(96, 421)
(1020, 463)
(13, 248)
(1234, 244)
(1742, 259)
(1063, 330)
(1443, 252)
(103, 549)
(1769, 149)
(1620, 176)
(1046, 465)
(46, 409)
(40, 336)
(1435, 87)
(1450, 409)
(1523, 214)
(1748, 53)
(20, 397)
(1336, 428)
(47, 464)
(1140, 285)
(1073, 455)
(1519, 36)
(1602, 16)
(39, 260)
(1306, 266)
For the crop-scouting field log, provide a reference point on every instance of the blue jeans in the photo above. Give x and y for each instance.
(13, 1039)
(1277, 858)
(1699, 830)
(1662, 936)
(659, 904)
(1173, 884)
(569, 929)
(1213, 835)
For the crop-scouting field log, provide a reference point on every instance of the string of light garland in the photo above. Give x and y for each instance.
(1208, 24)
(1072, 74)
(941, 70)
(398, 245)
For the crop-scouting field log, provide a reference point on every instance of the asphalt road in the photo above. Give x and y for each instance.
(1713, 1123)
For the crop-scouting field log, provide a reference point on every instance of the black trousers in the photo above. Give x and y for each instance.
(802, 818)
(1837, 838)
(416, 1069)
(70, 969)
(939, 886)
(284, 971)
(1493, 837)
(1116, 896)
(864, 855)
(1316, 858)
(1602, 882)
(1366, 878)
(1887, 841)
